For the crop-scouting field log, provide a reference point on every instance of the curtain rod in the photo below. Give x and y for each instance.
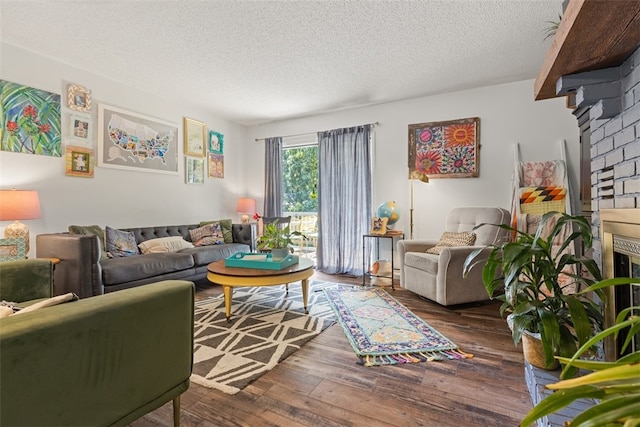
(312, 133)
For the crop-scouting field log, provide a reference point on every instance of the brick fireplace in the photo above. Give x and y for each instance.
(615, 148)
(613, 127)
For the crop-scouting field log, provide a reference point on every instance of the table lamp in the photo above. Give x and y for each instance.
(245, 206)
(413, 175)
(16, 205)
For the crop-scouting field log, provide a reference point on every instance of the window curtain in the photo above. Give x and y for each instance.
(273, 177)
(344, 198)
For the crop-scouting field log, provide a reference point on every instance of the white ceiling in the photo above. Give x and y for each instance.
(259, 61)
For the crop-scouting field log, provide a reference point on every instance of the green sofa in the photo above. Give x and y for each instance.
(107, 360)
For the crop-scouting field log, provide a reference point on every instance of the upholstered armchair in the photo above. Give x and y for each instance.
(439, 276)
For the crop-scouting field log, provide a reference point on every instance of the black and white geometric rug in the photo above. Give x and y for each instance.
(267, 325)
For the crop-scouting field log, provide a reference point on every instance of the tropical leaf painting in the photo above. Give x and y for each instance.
(30, 120)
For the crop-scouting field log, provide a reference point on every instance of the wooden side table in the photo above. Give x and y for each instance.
(377, 237)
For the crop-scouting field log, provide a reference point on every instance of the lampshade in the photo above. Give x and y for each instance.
(419, 176)
(19, 205)
(245, 206)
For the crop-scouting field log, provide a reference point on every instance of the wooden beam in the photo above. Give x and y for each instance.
(593, 34)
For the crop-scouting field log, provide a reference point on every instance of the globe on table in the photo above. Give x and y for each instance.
(389, 210)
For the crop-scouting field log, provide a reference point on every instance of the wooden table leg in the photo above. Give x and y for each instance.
(228, 295)
(305, 294)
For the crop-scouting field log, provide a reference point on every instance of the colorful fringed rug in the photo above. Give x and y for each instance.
(384, 332)
(267, 325)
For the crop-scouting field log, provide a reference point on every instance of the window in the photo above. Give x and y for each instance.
(300, 176)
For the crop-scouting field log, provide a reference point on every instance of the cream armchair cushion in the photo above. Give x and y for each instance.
(439, 277)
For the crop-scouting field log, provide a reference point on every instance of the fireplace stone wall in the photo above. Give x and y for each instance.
(615, 150)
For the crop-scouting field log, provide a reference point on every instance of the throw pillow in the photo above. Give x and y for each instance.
(164, 244)
(120, 243)
(210, 234)
(92, 230)
(451, 239)
(226, 228)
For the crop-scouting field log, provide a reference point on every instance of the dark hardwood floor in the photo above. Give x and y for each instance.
(321, 385)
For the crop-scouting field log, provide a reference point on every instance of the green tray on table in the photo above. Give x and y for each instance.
(266, 262)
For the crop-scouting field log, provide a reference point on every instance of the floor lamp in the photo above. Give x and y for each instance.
(414, 175)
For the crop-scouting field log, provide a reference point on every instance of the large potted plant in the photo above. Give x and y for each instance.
(615, 385)
(277, 240)
(531, 275)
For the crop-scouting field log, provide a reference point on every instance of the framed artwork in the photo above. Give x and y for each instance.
(78, 98)
(80, 127)
(216, 142)
(132, 141)
(379, 225)
(216, 165)
(194, 137)
(30, 120)
(194, 170)
(13, 249)
(79, 161)
(448, 149)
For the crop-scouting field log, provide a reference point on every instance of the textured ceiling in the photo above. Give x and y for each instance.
(260, 61)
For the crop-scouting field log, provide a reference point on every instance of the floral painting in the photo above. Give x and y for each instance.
(30, 120)
(445, 149)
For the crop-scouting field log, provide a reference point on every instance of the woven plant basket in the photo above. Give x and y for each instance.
(534, 352)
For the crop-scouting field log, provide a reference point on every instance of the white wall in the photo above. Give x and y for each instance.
(508, 114)
(115, 197)
(119, 198)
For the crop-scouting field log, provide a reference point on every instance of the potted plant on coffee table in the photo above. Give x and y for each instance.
(531, 275)
(277, 240)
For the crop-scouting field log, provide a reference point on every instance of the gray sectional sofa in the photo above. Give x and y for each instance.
(85, 271)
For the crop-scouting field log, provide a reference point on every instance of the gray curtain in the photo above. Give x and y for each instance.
(272, 177)
(344, 198)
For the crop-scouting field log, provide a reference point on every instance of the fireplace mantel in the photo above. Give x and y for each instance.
(592, 35)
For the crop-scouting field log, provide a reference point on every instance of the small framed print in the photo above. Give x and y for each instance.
(194, 137)
(216, 166)
(79, 161)
(216, 142)
(13, 249)
(379, 225)
(194, 170)
(80, 127)
(78, 98)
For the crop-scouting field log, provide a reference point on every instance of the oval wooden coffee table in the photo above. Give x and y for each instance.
(233, 277)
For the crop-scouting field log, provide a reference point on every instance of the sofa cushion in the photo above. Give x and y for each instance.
(92, 230)
(226, 225)
(422, 261)
(120, 243)
(129, 269)
(203, 255)
(164, 244)
(451, 239)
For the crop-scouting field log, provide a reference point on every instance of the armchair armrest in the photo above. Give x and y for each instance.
(26, 279)
(106, 360)
(414, 246)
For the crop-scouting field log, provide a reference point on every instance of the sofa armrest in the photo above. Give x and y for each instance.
(26, 279)
(244, 233)
(98, 361)
(79, 270)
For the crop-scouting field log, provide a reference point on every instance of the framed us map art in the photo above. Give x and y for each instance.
(128, 140)
(448, 149)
